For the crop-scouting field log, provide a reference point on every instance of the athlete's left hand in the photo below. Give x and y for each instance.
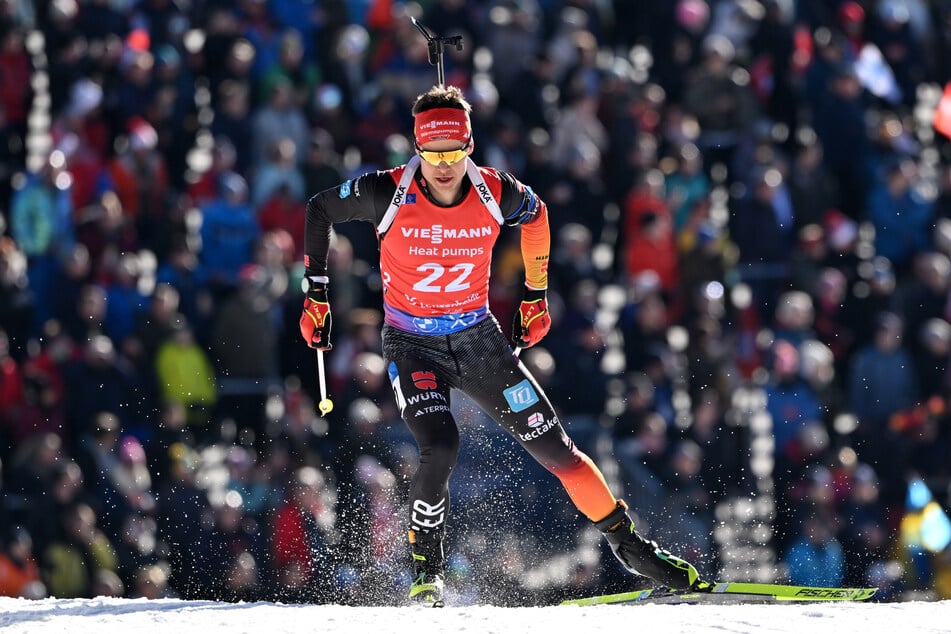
(533, 321)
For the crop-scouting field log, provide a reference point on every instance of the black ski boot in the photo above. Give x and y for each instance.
(644, 557)
(429, 565)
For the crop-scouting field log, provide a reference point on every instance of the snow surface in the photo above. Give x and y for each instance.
(141, 616)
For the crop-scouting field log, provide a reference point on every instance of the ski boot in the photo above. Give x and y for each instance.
(645, 557)
(428, 569)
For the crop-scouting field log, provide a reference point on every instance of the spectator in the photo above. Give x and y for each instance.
(72, 561)
(881, 383)
(812, 189)
(280, 118)
(580, 378)
(763, 239)
(106, 231)
(321, 162)
(931, 358)
(19, 572)
(116, 474)
(181, 271)
(291, 66)
(243, 345)
(156, 322)
(234, 123)
(816, 557)
(207, 186)
(686, 187)
(370, 413)
(243, 582)
(864, 531)
(152, 582)
(141, 179)
(653, 248)
(924, 294)
(278, 170)
(16, 93)
(16, 298)
(173, 102)
(328, 112)
(641, 446)
(505, 148)
(42, 408)
(74, 273)
(250, 478)
(236, 537)
(578, 127)
(171, 430)
(12, 395)
(84, 137)
(832, 325)
(137, 548)
(900, 215)
(228, 57)
(790, 401)
(772, 47)
(894, 34)
(124, 300)
(528, 103)
(688, 519)
(644, 326)
(572, 260)
(40, 215)
(185, 375)
(283, 211)
(302, 537)
(839, 124)
(100, 381)
(723, 107)
(183, 516)
(725, 469)
(229, 231)
(371, 132)
(794, 318)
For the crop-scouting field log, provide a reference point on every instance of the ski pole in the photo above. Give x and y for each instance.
(325, 405)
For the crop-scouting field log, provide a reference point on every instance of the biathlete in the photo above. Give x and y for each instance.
(437, 218)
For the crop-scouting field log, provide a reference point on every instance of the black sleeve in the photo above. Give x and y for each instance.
(364, 198)
(518, 202)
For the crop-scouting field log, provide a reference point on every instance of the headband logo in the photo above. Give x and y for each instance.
(442, 123)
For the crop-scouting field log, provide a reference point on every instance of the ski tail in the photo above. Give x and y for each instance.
(738, 592)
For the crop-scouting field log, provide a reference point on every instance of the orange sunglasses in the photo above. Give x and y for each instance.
(449, 157)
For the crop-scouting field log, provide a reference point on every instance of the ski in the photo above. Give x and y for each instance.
(732, 592)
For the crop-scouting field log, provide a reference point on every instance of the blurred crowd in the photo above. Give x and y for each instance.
(743, 194)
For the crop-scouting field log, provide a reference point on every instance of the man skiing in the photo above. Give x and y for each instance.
(437, 218)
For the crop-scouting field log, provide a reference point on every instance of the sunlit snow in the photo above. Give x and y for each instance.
(105, 616)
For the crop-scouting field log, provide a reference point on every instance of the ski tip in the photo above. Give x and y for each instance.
(730, 592)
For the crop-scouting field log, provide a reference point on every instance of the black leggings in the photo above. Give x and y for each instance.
(479, 362)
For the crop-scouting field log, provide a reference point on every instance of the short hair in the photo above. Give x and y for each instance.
(441, 97)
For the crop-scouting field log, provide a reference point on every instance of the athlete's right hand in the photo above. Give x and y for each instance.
(315, 319)
(532, 321)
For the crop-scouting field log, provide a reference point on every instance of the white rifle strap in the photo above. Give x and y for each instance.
(399, 196)
(485, 194)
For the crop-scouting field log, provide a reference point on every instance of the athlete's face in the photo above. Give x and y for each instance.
(444, 179)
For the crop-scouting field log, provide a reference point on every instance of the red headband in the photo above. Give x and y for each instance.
(440, 124)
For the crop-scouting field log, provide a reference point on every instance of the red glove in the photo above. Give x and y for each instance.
(315, 319)
(533, 321)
